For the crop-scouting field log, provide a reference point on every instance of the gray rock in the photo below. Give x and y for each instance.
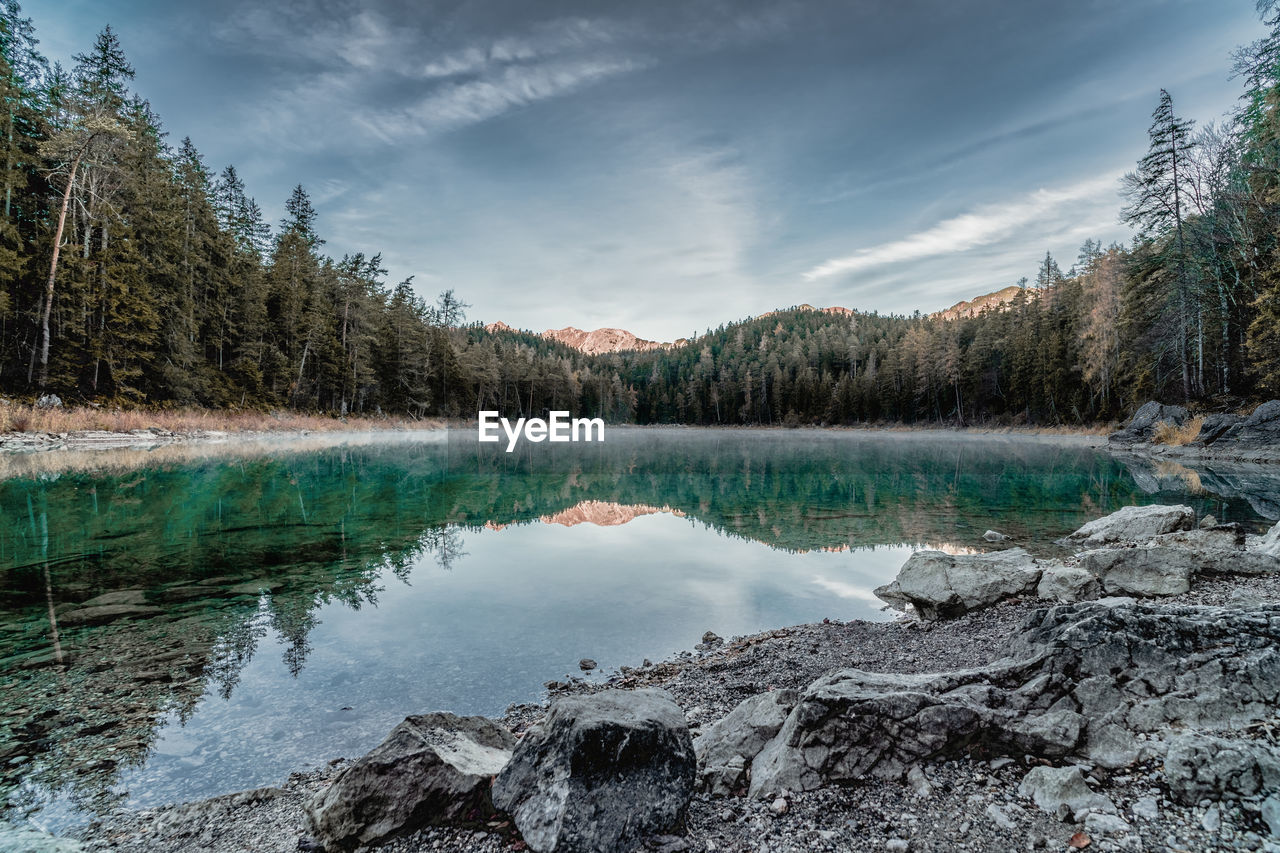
(1144, 422)
(431, 769)
(1062, 791)
(995, 536)
(1067, 584)
(123, 596)
(726, 749)
(1132, 524)
(1146, 808)
(942, 585)
(1269, 545)
(1082, 679)
(1271, 814)
(106, 613)
(1215, 427)
(1207, 522)
(600, 771)
(1144, 572)
(49, 401)
(1261, 429)
(1101, 823)
(587, 664)
(1002, 817)
(1201, 767)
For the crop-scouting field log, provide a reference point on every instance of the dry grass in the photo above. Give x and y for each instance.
(1176, 436)
(17, 418)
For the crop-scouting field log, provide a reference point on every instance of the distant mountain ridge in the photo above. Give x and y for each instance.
(607, 340)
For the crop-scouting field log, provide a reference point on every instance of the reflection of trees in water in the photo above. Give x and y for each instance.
(373, 514)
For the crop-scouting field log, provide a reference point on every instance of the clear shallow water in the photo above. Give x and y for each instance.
(290, 602)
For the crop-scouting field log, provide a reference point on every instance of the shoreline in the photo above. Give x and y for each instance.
(961, 802)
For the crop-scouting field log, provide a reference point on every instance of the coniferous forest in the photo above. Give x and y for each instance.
(133, 273)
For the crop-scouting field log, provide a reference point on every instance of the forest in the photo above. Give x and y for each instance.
(134, 274)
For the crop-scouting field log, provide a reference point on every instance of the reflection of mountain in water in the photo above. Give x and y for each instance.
(213, 554)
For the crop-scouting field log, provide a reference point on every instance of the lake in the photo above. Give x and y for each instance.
(192, 620)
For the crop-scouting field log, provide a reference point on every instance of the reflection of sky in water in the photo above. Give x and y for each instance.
(521, 607)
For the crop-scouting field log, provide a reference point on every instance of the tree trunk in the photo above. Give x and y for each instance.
(43, 376)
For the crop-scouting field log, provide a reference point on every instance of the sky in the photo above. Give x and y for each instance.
(668, 166)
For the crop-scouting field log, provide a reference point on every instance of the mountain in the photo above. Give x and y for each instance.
(978, 304)
(596, 341)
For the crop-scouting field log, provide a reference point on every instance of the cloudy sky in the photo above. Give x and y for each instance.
(668, 165)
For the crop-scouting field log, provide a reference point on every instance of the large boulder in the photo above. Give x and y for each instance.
(726, 748)
(1202, 767)
(1261, 429)
(1081, 679)
(1215, 427)
(1132, 524)
(942, 585)
(599, 772)
(1269, 544)
(1146, 420)
(432, 768)
(1144, 572)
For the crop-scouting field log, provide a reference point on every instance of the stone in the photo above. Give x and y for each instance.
(1143, 572)
(49, 401)
(1099, 681)
(1202, 767)
(1101, 823)
(726, 748)
(711, 638)
(1002, 817)
(1260, 430)
(1271, 814)
(897, 845)
(1146, 419)
(1132, 524)
(1062, 791)
(587, 664)
(1067, 584)
(106, 614)
(1207, 522)
(431, 769)
(994, 536)
(1146, 808)
(1214, 427)
(778, 807)
(599, 772)
(1211, 821)
(1269, 544)
(940, 585)
(123, 596)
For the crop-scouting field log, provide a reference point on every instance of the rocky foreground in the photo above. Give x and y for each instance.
(1126, 697)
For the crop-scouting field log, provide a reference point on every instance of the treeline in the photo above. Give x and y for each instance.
(133, 273)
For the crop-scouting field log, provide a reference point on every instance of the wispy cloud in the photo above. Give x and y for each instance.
(984, 226)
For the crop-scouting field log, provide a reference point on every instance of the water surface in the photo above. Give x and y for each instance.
(191, 621)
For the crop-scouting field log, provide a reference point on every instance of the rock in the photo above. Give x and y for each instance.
(1211, 821)
(1062, 791)
(726, 748)
(897, 845)
(1201, 767)
(1144, 422)
(106, 613)
(124, 596)
(1271, 814)
(1084, 679)
(49, 401)
(432, 768)
(1002, 817)
(600, 771)
(587, 664)
(1067, 584)
(942, 585)
(1132, 524)
(1260, 430)
(710, 638)
(1146, 808)
(778, 807)
(994, 536)
(1269, 545)
(1215, 427)
(1207, 522)
(1145, 572)
(919, 782)
(1100, 823)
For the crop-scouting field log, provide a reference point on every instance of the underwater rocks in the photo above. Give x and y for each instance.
(433, 768)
